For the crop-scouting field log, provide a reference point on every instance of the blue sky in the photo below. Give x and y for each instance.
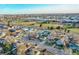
(38, 8)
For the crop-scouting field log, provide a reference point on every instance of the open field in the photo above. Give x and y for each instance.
(75, 30)
(37, 24)
(48, 25)
(25, 23)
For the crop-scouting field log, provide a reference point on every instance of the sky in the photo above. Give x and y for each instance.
(38, 8)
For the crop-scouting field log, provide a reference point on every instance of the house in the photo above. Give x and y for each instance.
(72, 23)
(3, 26)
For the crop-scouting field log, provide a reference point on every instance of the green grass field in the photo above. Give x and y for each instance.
(48, 25)
(75, 30)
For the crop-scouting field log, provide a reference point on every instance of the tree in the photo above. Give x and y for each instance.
(40, 25)
(50, 28)
(58, 27)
